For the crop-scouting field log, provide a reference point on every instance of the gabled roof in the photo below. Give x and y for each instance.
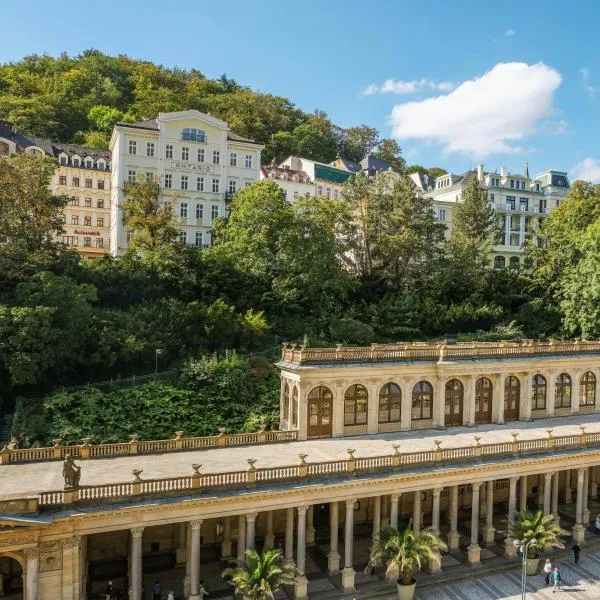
(374, 165)
(71, 150)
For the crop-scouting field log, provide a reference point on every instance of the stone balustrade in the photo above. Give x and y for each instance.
(86, 450)
(434, 351)
(303, 471)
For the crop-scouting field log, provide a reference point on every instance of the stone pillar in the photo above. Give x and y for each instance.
(474, 551)
(71, 569)
(195, 560)
(373, 406)
(439, 403)
(348, 572)
(489, 514)
(578, 529)
(568, 489)
(394, 501)
(188, 560)
(250, 530)
(241, 541)
(509, 548)
(525, 398)
(593, 482)
(135, 557)
(523, 493)
(333, 558)
(555, 494)
(376, 517)
(33, 566)
(301, 585)
(289, 535)
(453, 536)
(226, 543)
(406, 406)
(416, 523)
(498, 398)
(435, 516)
(586, 491)
(310, 525)
(547, 493)
(269, 536)
(303, 412)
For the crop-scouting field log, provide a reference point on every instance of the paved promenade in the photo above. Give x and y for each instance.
(31, 478)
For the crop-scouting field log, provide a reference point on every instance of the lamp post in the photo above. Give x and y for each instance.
(157, 352)
(523, 547)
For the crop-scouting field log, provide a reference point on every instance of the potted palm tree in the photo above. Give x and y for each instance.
(544, 529)
(259, 576)
(403, 552)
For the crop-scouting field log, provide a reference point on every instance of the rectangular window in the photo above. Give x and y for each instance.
(491, 197)
(184, 182)
(201, 155)
(87, 241)
(214, 211)
(232, 186)
(198, 239)
(100, 222)
(132, 147)
(74, 201)
(75, 220)
(87, 221)
(168, 181)
(169, 151)
(248, 161)
(216, 157)
(149, 176)
(99, 242)
(62, 180)
(63, 160)
(100, 185)
(150, 149)
(233, 159)
(183, 237)
(199, 211)
(200, 184)
(75, 182)
(76, 162)
(215, 186)
(88, 184)
(100, 203)
(320, 190)
(87, 202)
(510, 202)
(524, 204)
(185, 153)
(442, 214)
(183, 210)
(131, 177)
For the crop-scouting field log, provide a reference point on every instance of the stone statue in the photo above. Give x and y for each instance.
(71, 472)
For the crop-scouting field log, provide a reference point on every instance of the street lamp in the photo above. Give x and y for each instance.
(523, 547)
(157, 352)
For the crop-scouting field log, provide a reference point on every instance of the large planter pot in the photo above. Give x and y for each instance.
(406, 592)
(532, 565)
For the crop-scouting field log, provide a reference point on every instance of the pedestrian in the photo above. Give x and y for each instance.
(202, 591)
(108, 592)
(576, 552)
(171, 595)
(156, 594)
(556, 579)
(547, 570)
(597, 523)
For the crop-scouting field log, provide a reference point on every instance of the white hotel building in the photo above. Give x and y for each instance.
(197, 161)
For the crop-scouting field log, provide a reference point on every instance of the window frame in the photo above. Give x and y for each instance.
(389, 398)
(418, 395)
(356, 405)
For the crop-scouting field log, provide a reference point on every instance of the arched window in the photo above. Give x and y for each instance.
(390, 399)
(453, 409)
(514, 262)
(562, 391)
(422, 401)
(538, 392)
(587, 389)
(320, 412)
(295, 407)
(286, 405)
(512, 396)
(355, 405)
(483, 401)
(499, 262)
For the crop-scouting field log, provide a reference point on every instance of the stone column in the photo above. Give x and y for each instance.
(469, 390)
(547, 493)
(226, 543)
(289, 535)
(439, 403)
(303, 412)
(394, 501)
(250, 530)
(474, 551)
(33, 566)
(509, 547)
(578, 529)
(376, 517)
(373, 406)
(500, 384)
(195, 560)
(525, 399)
(406, 406)
(135, 584)
(586, 491)
(453, 536)
(593, 482)
(416, 523)
(269, 536)
(301, 585)
(568, 489)
(523, 493)
(348, 572)
(310, 525)
(435, 516)
(188, 559)
(333, 558)
(555, 494)
(72, 573)
(241, 541)
(489, 514)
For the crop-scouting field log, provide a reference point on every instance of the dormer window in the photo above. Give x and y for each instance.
(193, 135)
(89, 163)
(285, 177)
(76, 161)
(63, 159)
(273, 175)
(100, 165)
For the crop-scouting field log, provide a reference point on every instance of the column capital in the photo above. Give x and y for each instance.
(71, 542)
(514, 479)
(350, 504)
(196, 524)
(136, 532)
(476, 486)
(581, 471)
(31, 553)
(547, 476)
(395, 497)
(302, 508)
(251, 517)
(437, 491)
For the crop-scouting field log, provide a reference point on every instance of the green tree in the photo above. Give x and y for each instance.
(260, 576)
(357, 142)
(536, 525)
(104, 118)
(390, 151)
(315, 139)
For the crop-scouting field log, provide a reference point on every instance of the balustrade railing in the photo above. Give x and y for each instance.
(304, 470)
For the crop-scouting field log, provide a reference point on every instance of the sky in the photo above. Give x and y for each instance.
(456, 83)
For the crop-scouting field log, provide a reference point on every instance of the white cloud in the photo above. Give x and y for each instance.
(559, 127)
(485, 115)
(392, 86)
(510, 32)
(590, 90)
(588, 170)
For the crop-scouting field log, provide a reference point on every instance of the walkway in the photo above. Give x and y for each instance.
(30, 478)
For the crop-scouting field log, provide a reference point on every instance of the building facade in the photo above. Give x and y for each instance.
(327, 181)
(83, 174)
(520, 203)
(295, 184)
(197, 162)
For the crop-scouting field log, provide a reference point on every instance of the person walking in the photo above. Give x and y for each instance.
(597, 523)
(156, 591)
(109, 591)
(547, 570)
(556, 579)
(202, 591)
(576, 552)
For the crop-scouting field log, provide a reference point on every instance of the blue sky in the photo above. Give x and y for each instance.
(467, 82)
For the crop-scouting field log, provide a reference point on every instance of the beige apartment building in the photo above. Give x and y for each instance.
(456, 437)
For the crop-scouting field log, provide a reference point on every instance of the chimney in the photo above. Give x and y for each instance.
(503, 172)
(6, 129)
(480, 173)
